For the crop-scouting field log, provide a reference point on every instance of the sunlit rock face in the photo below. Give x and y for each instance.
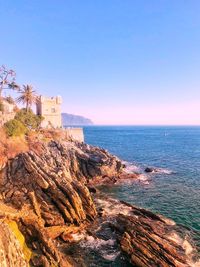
(47, 193)
(11, 251)
(46, 188)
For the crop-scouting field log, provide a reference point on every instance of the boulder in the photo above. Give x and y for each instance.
(150, 169)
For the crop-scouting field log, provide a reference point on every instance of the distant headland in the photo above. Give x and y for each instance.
(75, 120)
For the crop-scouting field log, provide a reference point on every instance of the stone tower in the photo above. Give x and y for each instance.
(50, 109)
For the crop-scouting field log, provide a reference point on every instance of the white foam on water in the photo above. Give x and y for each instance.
(176, 238)
(130, 167)
(113, 207)
(95, 243)
(101, 246)
(133, 168)
(110, 257)
(167, 220)
(160, 171)
(187, 246)
(143, 178)
(165, 171)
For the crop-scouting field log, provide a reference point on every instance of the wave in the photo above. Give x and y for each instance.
(162, 170)
(113, 207)
(95, 243)
(143, 178)
(108, 249)
(131, 167)
(134, 168)
(111, 256)
(187, 246)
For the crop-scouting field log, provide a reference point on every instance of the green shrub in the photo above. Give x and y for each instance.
(15, 128)
(29, 119)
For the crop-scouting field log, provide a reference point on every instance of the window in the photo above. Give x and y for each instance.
(53, 110)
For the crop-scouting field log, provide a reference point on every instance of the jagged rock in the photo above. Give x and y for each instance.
(50, 189)
(145, 238)
(46, 193)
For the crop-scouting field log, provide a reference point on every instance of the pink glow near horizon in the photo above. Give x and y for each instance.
(177, 114)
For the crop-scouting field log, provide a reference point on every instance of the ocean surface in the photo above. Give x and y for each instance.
(175, 190)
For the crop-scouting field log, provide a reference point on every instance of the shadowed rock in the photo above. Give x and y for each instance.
(49, 187)
(46, 193)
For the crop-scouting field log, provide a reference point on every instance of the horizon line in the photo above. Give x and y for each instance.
(156, 125)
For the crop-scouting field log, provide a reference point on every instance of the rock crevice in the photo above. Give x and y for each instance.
(48, 194)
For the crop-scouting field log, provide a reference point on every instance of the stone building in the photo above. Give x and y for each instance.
(50, 109)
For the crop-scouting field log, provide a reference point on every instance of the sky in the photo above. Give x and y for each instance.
(131, 62)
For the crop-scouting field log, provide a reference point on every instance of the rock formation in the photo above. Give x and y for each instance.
(46, 192)
(145, 237)
(46, 187)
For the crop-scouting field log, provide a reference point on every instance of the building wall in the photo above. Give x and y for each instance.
(6, 117)
(8, 108)
(50, 109)
(75, 134)
(8, 113)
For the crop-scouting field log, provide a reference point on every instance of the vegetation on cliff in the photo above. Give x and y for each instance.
(29, 119)
(47, 196)
(7, 80)
(23, 122)
(27, 96)
(15, 128)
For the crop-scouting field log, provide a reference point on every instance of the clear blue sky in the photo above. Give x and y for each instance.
(114, 61)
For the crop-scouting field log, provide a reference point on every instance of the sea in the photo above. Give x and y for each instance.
(174, 189)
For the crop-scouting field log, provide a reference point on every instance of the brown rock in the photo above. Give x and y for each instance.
(50, 193)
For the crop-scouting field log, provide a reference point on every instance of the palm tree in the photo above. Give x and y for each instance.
(14, 86)
(28, 96)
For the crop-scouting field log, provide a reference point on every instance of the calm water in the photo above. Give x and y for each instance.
(175, 149)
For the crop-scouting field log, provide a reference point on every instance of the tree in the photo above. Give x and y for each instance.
(15, 128)
(7, 80)
(29, 119)
(28, 96)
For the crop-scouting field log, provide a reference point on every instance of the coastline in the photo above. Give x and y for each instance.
(50, 186)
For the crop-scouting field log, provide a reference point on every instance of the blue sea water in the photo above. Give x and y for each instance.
(175, 192)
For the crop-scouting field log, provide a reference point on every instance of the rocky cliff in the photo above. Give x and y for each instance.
(47, 193)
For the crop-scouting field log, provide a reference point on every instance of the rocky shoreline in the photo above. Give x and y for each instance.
(49, 194)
